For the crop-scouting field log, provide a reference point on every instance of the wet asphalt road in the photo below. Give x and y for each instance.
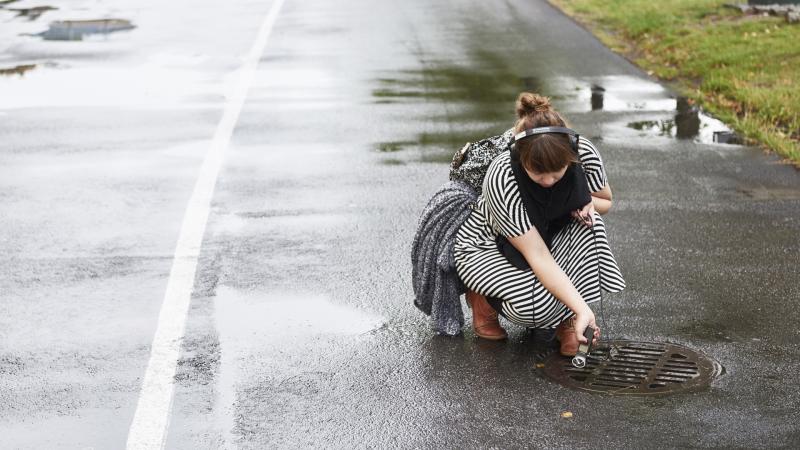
(301, 330)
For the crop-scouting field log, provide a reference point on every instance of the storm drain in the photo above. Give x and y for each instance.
(635, 368)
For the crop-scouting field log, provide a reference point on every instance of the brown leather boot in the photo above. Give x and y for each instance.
(568, 337)
(484, 318)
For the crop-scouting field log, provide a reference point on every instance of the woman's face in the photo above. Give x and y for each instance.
(547, 179)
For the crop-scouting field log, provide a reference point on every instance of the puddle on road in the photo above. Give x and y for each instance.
(478, 101)
(631, 94)
(285, 315)
(472, 102)
(75, 30)
(149, 86)
(688, 123)
(301, 220)
(614, 93)
(453, 102)
(18, 70)
(252, 323)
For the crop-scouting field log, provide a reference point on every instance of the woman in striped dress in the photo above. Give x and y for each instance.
(566, 259)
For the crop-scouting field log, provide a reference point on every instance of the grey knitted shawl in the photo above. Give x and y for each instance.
(437, 287)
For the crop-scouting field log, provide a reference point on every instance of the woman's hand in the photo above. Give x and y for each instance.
(585, 214)
(582, 319)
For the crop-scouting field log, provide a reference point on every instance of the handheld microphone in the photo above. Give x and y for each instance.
(579, 360)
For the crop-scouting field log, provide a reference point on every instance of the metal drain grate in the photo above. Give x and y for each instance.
(635, 368)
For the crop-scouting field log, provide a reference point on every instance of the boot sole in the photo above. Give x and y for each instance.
(492, 338)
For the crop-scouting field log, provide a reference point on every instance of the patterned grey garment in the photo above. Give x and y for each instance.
(470, 163)
(582, 253)
(437, 287)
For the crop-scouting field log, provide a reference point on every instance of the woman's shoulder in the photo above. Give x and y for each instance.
(587, 148)
(592, 164)
(498, 175)
(501, 165)
(588, 152)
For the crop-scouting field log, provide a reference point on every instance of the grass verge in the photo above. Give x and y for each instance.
(745, 70)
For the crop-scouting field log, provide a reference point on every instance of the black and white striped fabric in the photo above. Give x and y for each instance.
(577, 249)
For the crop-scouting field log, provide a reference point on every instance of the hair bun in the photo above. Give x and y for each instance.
(529, 103)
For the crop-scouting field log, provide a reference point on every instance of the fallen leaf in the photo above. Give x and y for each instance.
(566, 415)
(539, 365)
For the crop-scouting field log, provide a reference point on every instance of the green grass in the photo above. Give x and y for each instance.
(745, 70)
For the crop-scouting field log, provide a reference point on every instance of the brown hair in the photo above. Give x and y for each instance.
(545, 152)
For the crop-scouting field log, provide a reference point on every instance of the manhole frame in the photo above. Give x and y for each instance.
(622, 371)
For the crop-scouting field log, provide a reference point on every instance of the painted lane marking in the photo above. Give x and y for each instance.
(150, 422)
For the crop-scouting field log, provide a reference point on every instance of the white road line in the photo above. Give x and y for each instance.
(149, 427)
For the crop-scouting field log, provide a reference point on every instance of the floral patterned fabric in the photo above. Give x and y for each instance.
(471, 162)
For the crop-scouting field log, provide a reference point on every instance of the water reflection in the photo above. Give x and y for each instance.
(394, 146)
(285, 316)
(689, 122)
(530, 83)
(476, 101)
(662, 127)
(597, 97)
(473, 100)
(727, 137)
(687, 119)
(671, 117)
(75, 30)
(615, 93)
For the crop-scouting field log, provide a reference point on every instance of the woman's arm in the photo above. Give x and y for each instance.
(595, 176)
(602, 199)
(601, 202)
(553, 278)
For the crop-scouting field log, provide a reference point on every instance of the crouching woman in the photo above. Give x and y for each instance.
(534, 248)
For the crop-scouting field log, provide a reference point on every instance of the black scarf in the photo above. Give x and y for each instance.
(548, 208)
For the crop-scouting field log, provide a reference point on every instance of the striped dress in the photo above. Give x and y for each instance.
(578, 250)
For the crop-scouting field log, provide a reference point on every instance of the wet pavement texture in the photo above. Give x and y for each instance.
(301, 330)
